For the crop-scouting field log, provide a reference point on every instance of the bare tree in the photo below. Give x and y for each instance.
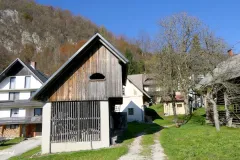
(185, 49)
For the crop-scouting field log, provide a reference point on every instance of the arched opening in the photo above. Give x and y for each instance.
(97, 76)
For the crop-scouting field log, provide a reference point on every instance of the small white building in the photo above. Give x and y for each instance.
(179, 105)
(18, 115)
(134, 98)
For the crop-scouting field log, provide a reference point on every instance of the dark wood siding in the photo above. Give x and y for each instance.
(77, 85)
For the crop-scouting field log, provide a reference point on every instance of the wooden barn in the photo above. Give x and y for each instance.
(80, 98)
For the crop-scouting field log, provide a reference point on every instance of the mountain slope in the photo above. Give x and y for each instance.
(45, 34)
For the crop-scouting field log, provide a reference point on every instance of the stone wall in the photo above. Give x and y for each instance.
(7, 132)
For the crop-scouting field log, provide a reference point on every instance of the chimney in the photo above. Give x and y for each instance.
(230, 52)
(33, 64)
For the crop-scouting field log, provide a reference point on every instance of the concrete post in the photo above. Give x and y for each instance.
(46, 127)
(105, 131)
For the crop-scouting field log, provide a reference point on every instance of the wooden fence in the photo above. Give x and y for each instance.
(75, 121)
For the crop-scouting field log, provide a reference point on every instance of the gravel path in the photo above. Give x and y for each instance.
(20, 148)
(135, 149)
(157, 150)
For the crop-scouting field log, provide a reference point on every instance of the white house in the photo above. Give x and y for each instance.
(179, 105)
(18, 115)
(134, 98)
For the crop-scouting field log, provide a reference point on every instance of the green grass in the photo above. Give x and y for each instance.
(114, 153)
(102, 154)
(164, 120)
(197, 141)
(135, 128)
(192, 141)
(147, 141)
(27, 154)
(10, 143)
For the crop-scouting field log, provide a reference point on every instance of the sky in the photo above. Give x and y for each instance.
(132, 17)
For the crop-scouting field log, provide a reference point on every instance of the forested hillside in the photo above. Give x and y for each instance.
(50, 35)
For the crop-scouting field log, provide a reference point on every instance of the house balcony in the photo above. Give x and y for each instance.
(21, 120)
(20, 104)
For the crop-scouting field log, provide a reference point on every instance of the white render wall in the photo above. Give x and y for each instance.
(5, 113)
(4, 96)
(168, 110)
(133, 98)
(20, 82)
(23, 112)
(48, 147)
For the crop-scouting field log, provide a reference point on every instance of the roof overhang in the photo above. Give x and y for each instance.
(4, 72)
(96, 37)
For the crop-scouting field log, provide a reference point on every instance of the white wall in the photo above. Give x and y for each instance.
(168, 110)
(24, 95)
(4, 96)
(35, 83)
(131, 90)
(23, 112)
(20, 82)
(133, 98)
(5, 113)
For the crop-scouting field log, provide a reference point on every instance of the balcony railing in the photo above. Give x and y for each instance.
(21, 120)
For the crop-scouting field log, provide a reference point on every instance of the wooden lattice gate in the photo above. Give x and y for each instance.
(75, 121)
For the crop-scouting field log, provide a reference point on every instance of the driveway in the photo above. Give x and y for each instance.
(20, 148)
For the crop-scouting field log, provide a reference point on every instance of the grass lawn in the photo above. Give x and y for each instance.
(102, 154)
(10, 143)
(197, 141)
(164, 120)
(147, 141)
(192, 141)
(113, 153)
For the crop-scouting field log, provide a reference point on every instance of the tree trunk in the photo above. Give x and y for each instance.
(215, 114)
(174, 108)
(226, 108)
(187, 107)
(207, 109)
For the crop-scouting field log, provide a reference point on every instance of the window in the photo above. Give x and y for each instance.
(12, 83)
(179, 105)
(37, 111)
(27, 82)
(14, 112)
(130, 111)
(32, 93)
(38, 127)
(123, 91)
(97, 76)
(13, 96)
(14, 126)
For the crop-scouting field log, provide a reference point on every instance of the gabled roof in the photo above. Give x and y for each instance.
(36, 73)
(137, 81)
(224, 71)
(149, 80)
(96, 37)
